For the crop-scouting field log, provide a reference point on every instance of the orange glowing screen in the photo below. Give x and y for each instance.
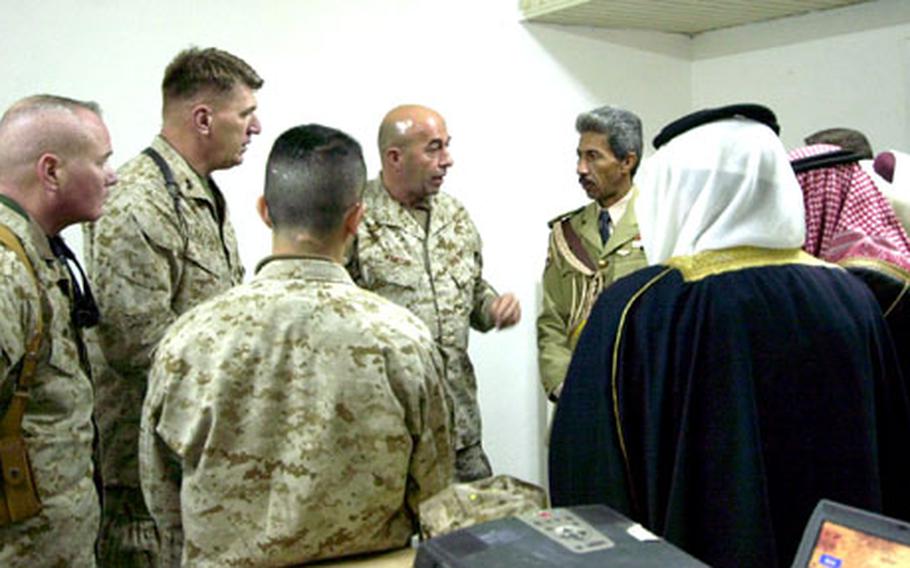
(842, 547)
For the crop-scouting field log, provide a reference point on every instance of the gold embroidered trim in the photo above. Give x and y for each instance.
(713, 262)
(883, 267)
(613, 379)
(559, 238)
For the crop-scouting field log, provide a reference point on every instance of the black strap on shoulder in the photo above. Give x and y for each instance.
(835, 158)
(169, 181)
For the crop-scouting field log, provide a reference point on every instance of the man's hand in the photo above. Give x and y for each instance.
(505, 311)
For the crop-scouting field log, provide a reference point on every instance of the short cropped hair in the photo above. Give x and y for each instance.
(43, 102)
(194, 70)
(49, 128)
(314, 174)
(847, 138)
(622, 128)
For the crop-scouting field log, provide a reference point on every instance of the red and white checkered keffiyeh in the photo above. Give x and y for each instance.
(846, 215)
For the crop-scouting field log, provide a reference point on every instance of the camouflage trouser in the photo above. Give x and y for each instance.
(128, 538)
(471, 464)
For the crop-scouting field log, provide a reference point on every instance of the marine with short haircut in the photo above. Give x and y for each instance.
(296, 417)
(54, 172)
(164, 245)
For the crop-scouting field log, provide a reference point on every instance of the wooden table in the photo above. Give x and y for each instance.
(401, 558)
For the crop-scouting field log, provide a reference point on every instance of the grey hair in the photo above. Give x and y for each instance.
(621, 127)
(45, 102)
(38, 124)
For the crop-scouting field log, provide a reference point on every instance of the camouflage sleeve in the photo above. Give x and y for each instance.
(484, 293)
(160, 469)
(416, 378)
(136, 267)
(17, 294)
(553, 345)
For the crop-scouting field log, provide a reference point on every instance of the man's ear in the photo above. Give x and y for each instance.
(263, 209)
(49, 171)
(628, 163)
(393, 156)
(353, 217)
(202, 118)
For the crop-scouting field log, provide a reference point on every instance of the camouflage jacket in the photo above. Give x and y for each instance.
(305, 417)
(570, 288)
(437, 275)
(149, 263)
(58, 419)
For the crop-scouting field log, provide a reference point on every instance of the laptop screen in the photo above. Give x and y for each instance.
(838, 546)
(842, 537)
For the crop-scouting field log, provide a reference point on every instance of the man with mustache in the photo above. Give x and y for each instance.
(418, 247)
(164, 245)
(594, 245)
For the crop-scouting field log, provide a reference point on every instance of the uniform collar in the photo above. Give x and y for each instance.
(384, 208)
(308, 267)
(622, 214)
(17, 219)
(618, 209)
(12, 204)
(189, 182)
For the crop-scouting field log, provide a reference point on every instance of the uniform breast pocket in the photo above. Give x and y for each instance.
(461, 275)
(64, 356)
(204, 263)
(627, 260)
(59, 337)
(389, 271)
(393, 279)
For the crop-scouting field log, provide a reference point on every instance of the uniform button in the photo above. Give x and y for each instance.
(603, 263)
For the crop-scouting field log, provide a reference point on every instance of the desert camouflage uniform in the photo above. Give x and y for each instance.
(306, 418)
(149, 261)
(436, 274)
(58, 419)
(462, 505)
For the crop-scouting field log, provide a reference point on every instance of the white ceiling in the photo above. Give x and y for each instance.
(676, 16)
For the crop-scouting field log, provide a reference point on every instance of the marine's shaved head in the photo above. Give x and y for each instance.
(414, 149)
(400, 125)
(54, 155)
(38, 125)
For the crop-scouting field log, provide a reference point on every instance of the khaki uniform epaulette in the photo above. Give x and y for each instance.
(564, 216)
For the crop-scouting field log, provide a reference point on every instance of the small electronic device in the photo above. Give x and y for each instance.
(576, 537)
(839, 536)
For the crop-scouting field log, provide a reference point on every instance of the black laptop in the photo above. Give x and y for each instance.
(839, 536)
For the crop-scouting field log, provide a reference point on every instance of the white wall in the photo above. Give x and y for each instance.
(845, 67)
(510, 92)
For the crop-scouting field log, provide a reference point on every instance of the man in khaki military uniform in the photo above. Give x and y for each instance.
(594, 245)
(296, 417)
(160, 249)
(418, 247)
(53, 173)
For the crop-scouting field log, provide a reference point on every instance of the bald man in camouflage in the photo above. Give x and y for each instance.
(418, 247)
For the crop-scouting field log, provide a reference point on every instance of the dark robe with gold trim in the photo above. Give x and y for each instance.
(718, 398)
